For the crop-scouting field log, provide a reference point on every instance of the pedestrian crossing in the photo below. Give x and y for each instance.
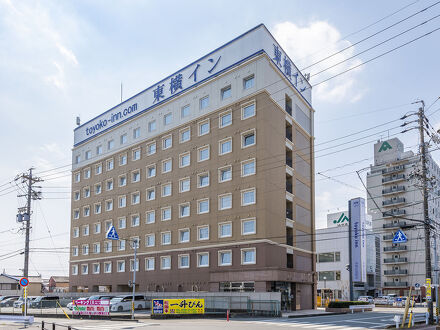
(288, 323)
(104, 325)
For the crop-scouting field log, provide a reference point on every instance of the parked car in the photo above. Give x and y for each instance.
(368, 299)
(123, 303)
(101, 297)
(383, 300)
(44, 302)
(18, 303)
(2, 298)
(71, 304)
(8, 302)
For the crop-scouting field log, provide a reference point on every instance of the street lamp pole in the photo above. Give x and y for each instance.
(135, 244)
(325, 284)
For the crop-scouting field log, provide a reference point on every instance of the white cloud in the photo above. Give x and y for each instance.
(307, 45)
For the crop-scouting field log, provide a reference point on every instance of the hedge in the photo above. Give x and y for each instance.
(345, 304)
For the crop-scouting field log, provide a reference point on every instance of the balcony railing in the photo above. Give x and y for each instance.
(396, 177)
(393, 169)
(393, 190)
(395, 260)
(399, 224)
(396, 272)
(395, 284)
(395, 248)
(393, 213)
(393, 201)
(388, 237)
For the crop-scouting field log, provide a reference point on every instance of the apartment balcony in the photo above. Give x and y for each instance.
(395, 272)
(289, 214)
(289, 187)
(394, 169)
(395, 260)
(393, 213)
(393, 178)
(289, 162)
(387, 237)
(394, 201)
(399, 224)
(388, 249)
(395, 284)
(393, 190)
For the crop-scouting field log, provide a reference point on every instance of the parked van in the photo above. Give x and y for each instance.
(123, 303)
(45, 302)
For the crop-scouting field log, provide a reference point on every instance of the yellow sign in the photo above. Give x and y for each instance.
(428, 289)
(178, 306)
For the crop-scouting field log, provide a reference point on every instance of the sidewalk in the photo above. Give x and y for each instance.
(308, 313)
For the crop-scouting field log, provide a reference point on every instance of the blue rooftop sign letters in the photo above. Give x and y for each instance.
(252, 43)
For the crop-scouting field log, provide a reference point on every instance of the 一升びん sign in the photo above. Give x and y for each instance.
(178, 306)
(358, 239)
(91, 307)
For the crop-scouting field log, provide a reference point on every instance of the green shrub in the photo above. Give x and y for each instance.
(345, 304)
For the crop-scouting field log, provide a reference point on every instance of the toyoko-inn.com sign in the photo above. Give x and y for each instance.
(251, 43)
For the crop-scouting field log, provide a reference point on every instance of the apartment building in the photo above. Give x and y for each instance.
(210, 173)
(396, 203)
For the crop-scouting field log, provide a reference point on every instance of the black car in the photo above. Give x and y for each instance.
(45, 302)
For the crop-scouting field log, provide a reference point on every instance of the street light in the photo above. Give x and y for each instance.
(325, 284)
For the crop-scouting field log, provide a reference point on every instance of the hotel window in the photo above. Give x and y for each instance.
(87, 173)
(184, 185)
(248, 111)
(123, 138)
(167, 142)
(86, 192)
(120, 266)
(107, 225)
(133, 263)
(97, 208)
(86, 230)
(97, 228)
(150, 217)
(136, 133)
(166, 189)
(75, 251)
(185, 111)
(75, 232)
(225, 202)
(152, 126)
(167, 165)
(76, 195)
(184, 261)
(77, 159)
(84, 269)
(225, 229)
(248, 167)
(203, 153)
(88, 154)
(184, 235)
(204, 127)
(225, 146)
(110, 164)
(166, 238)
(121, 245)
(184, 210)
(248, 82)
(122, 159)
(122, 180)
(110, 144)
(248, 256)
(203, 180)
(107, 246)
(225, 119)
(151, 148)
(135, 220)
(107, 267)
(204, 102)
(98, 169)
(122, 223)
(149, 264)
(76, 214)
(96, 248)
(122, 201)
(248, 197)
(185, 134)
(151, 171)
(248, 139)
(203, 206)
(165, 262)
(184, 159)
(99, 150)
(136, 154)
(75, 270)
(109, 184)
(151, 194)
(77, 176)
(203, 233)
(225, 174)
(248, 227)
(203, 259)
(109, 205)
(226, 92)
(150, 240)
(225, 258)
(86, 211)
(135, 198)
(135, 176)
(168, 119)
(85, 249)
(166, 213)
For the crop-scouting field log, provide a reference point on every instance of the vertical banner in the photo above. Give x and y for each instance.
(428, 290)
(358, 240)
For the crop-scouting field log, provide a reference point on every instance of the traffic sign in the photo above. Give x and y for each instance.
(24, 281)
(417, 285)
(400, 237)
(112, 234)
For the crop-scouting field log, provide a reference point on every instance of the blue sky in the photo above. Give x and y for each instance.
(63, 59)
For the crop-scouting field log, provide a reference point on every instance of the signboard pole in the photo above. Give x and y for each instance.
(135, 243)
(25, 300)
(350, 266)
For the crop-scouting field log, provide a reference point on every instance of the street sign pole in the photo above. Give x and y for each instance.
(25, 301)
(135, 243)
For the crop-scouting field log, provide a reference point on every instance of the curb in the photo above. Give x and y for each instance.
(311, 315)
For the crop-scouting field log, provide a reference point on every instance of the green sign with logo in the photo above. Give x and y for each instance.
(385, 146)
(342, 219)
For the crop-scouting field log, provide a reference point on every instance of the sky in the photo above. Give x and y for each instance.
(63, 59)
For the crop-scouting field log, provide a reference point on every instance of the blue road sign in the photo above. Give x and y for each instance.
(112, 234)
(417, 285)
(400, 237)
(24, 281)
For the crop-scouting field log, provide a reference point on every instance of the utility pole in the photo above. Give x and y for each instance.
(426, 220)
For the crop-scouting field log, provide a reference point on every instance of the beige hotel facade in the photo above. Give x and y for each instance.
(210, 172)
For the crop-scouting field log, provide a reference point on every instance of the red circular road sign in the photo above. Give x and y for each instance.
(24, 281)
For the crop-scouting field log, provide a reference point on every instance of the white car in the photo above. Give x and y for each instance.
(18, 303)
(384, 300)
(123, 303)
(71, 304)
(368, 299)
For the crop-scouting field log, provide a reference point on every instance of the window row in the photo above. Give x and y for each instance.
(248, 257)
